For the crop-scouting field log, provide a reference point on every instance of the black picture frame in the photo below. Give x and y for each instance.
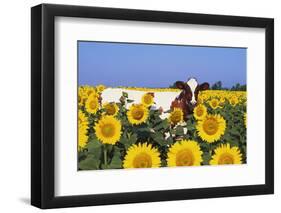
(43, 102)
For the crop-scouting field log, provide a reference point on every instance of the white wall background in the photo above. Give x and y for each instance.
(15, 105)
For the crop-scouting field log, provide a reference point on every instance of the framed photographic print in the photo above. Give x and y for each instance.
(139, 106)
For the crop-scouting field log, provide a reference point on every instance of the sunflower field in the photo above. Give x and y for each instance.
(114, 136)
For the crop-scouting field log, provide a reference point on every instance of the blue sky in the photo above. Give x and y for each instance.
(146, 65)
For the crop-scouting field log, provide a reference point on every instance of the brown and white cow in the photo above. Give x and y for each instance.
(188, 97)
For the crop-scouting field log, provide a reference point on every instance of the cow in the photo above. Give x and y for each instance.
(188, 97)
(185, 99)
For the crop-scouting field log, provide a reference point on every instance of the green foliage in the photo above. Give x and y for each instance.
(161, 134)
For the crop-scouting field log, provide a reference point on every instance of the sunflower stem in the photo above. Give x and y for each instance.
(105, 155)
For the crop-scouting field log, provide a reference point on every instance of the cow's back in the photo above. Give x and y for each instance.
(161, 98)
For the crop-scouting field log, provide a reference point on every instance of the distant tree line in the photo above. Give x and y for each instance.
(236, 87)
(218, 86)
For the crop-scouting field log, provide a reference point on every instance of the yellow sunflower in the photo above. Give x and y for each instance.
(142, 156)
(82, 137)
(200, 111)
(200, 99)
(82, 119)
(108, 130)
(81, 96)
(214, 103)
(100, 88)
(185, 153)
(89, 91)
(137, 114)
(224, 154)
(233, 100)
(176, 116)
(92, 104)
(221, 102)
(211, 128)
(147, 99)
(111, 108)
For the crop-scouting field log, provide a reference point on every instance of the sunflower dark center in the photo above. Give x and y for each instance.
(110, 109)
(210, 126)
(184, 158)
(199, 111)
(138, 114)
(142, 160)
(214, 103)
(176, 117)
(108, 130)
(147, 99)
(226, 159)
(93, 104)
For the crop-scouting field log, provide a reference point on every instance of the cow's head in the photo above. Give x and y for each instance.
(190, 91)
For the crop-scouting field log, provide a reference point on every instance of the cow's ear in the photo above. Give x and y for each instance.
(204, 86)
(180, 84)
